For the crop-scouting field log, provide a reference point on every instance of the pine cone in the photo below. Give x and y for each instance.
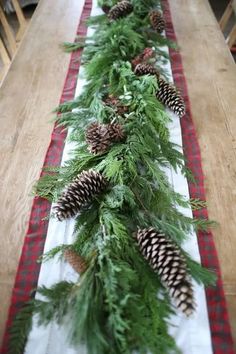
(75, 260)
(144, 69)
(157, 21)
(165, 258)
(98, 138)
(122, 9)
(116, 132)
(116, 105)
(106, 9)
(169, 96)
(80, 192)
(146, 54)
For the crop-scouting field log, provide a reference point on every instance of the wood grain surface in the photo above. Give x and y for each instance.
(29, 93)
(33, 87)
(211, 77)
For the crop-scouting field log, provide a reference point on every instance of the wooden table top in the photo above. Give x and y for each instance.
(211, 78)
(25, 107)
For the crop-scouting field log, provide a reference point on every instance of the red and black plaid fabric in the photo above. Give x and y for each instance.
(222, 342)
(28, 268)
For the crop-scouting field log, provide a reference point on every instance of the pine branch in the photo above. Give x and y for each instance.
(197, 204)
(203, 224)
(72, 47)
(20, 328)
(200, 274)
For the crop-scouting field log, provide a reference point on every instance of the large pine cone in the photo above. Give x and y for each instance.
(79, 193)
(144, 69)
(166, 259)
(169, 96)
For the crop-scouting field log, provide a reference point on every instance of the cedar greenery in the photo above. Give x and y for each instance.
(114, 307)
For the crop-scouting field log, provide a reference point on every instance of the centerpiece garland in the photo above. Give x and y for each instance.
(128, 231)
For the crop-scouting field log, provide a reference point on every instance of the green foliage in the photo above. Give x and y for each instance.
(200, 274)
(20, 328)
(72, 47)
(197, 204)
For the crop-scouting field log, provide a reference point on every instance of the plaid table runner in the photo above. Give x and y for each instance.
(28, 269)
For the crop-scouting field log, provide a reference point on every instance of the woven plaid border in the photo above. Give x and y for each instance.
(28, 268)
(219, 322)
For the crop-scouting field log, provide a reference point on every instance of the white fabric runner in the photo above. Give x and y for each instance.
(191, 334)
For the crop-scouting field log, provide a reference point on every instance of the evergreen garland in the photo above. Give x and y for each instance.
(114, 307)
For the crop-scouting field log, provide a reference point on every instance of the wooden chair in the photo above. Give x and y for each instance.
(8, 44)
(11, 41)
(229, 11)
(5, 61)
(21, 19)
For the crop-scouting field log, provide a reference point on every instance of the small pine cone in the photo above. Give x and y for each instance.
(111, 101)
(76, 261)
(116, 132)
(157, 21)
(106, 9)
(79, 193)
(116, 105)
(122, 9)
(148, 53)
(137, 60)
(121, 110)
(169, 96)
(98, 138)
(144, 56)
(165, 259)
(144, 69)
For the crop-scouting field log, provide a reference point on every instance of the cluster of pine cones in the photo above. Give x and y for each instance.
(116, 105)
(99, 137)
(166, 93)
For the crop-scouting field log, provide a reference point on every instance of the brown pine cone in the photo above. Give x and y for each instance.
(75, 260)
(157, 21)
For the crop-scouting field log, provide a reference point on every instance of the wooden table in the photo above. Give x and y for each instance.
(33, 87)
(211, 78)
